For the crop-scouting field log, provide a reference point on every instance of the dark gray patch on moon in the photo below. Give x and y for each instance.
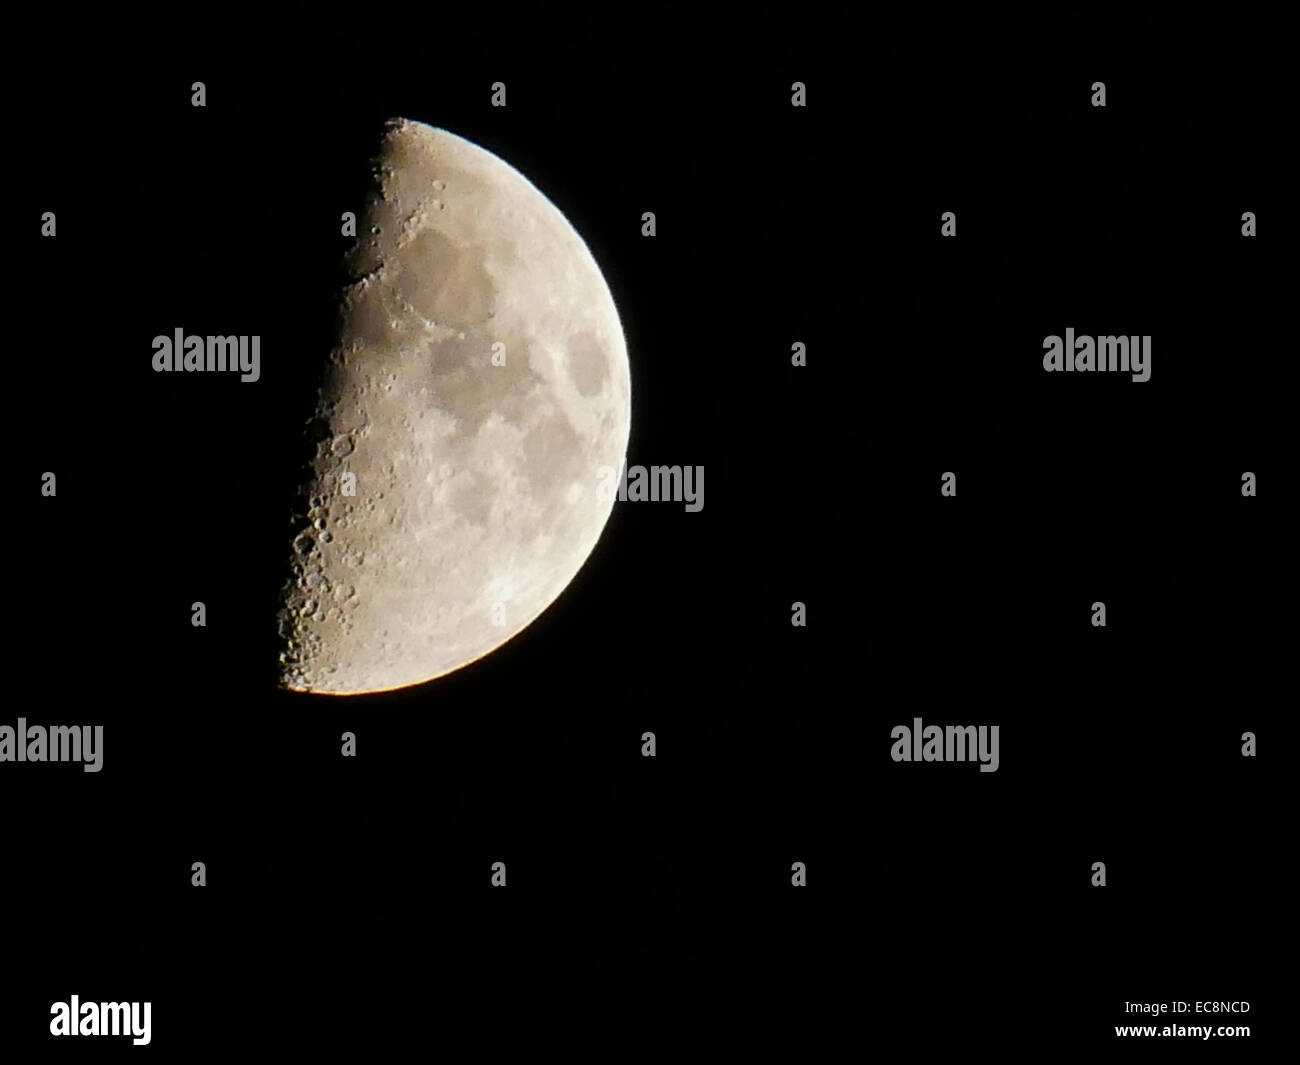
(459, 294)
(587, 363)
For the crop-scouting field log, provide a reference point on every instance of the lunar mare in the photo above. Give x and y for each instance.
(476, 483)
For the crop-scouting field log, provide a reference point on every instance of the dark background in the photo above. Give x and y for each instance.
(348, 902)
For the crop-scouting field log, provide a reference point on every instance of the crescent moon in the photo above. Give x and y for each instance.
(478, 393)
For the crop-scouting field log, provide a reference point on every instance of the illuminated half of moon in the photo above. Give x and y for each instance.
(479, 384)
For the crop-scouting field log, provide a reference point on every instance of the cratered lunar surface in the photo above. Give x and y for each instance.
(479, 383)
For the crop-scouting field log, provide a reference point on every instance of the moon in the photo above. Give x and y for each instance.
(477, 398)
